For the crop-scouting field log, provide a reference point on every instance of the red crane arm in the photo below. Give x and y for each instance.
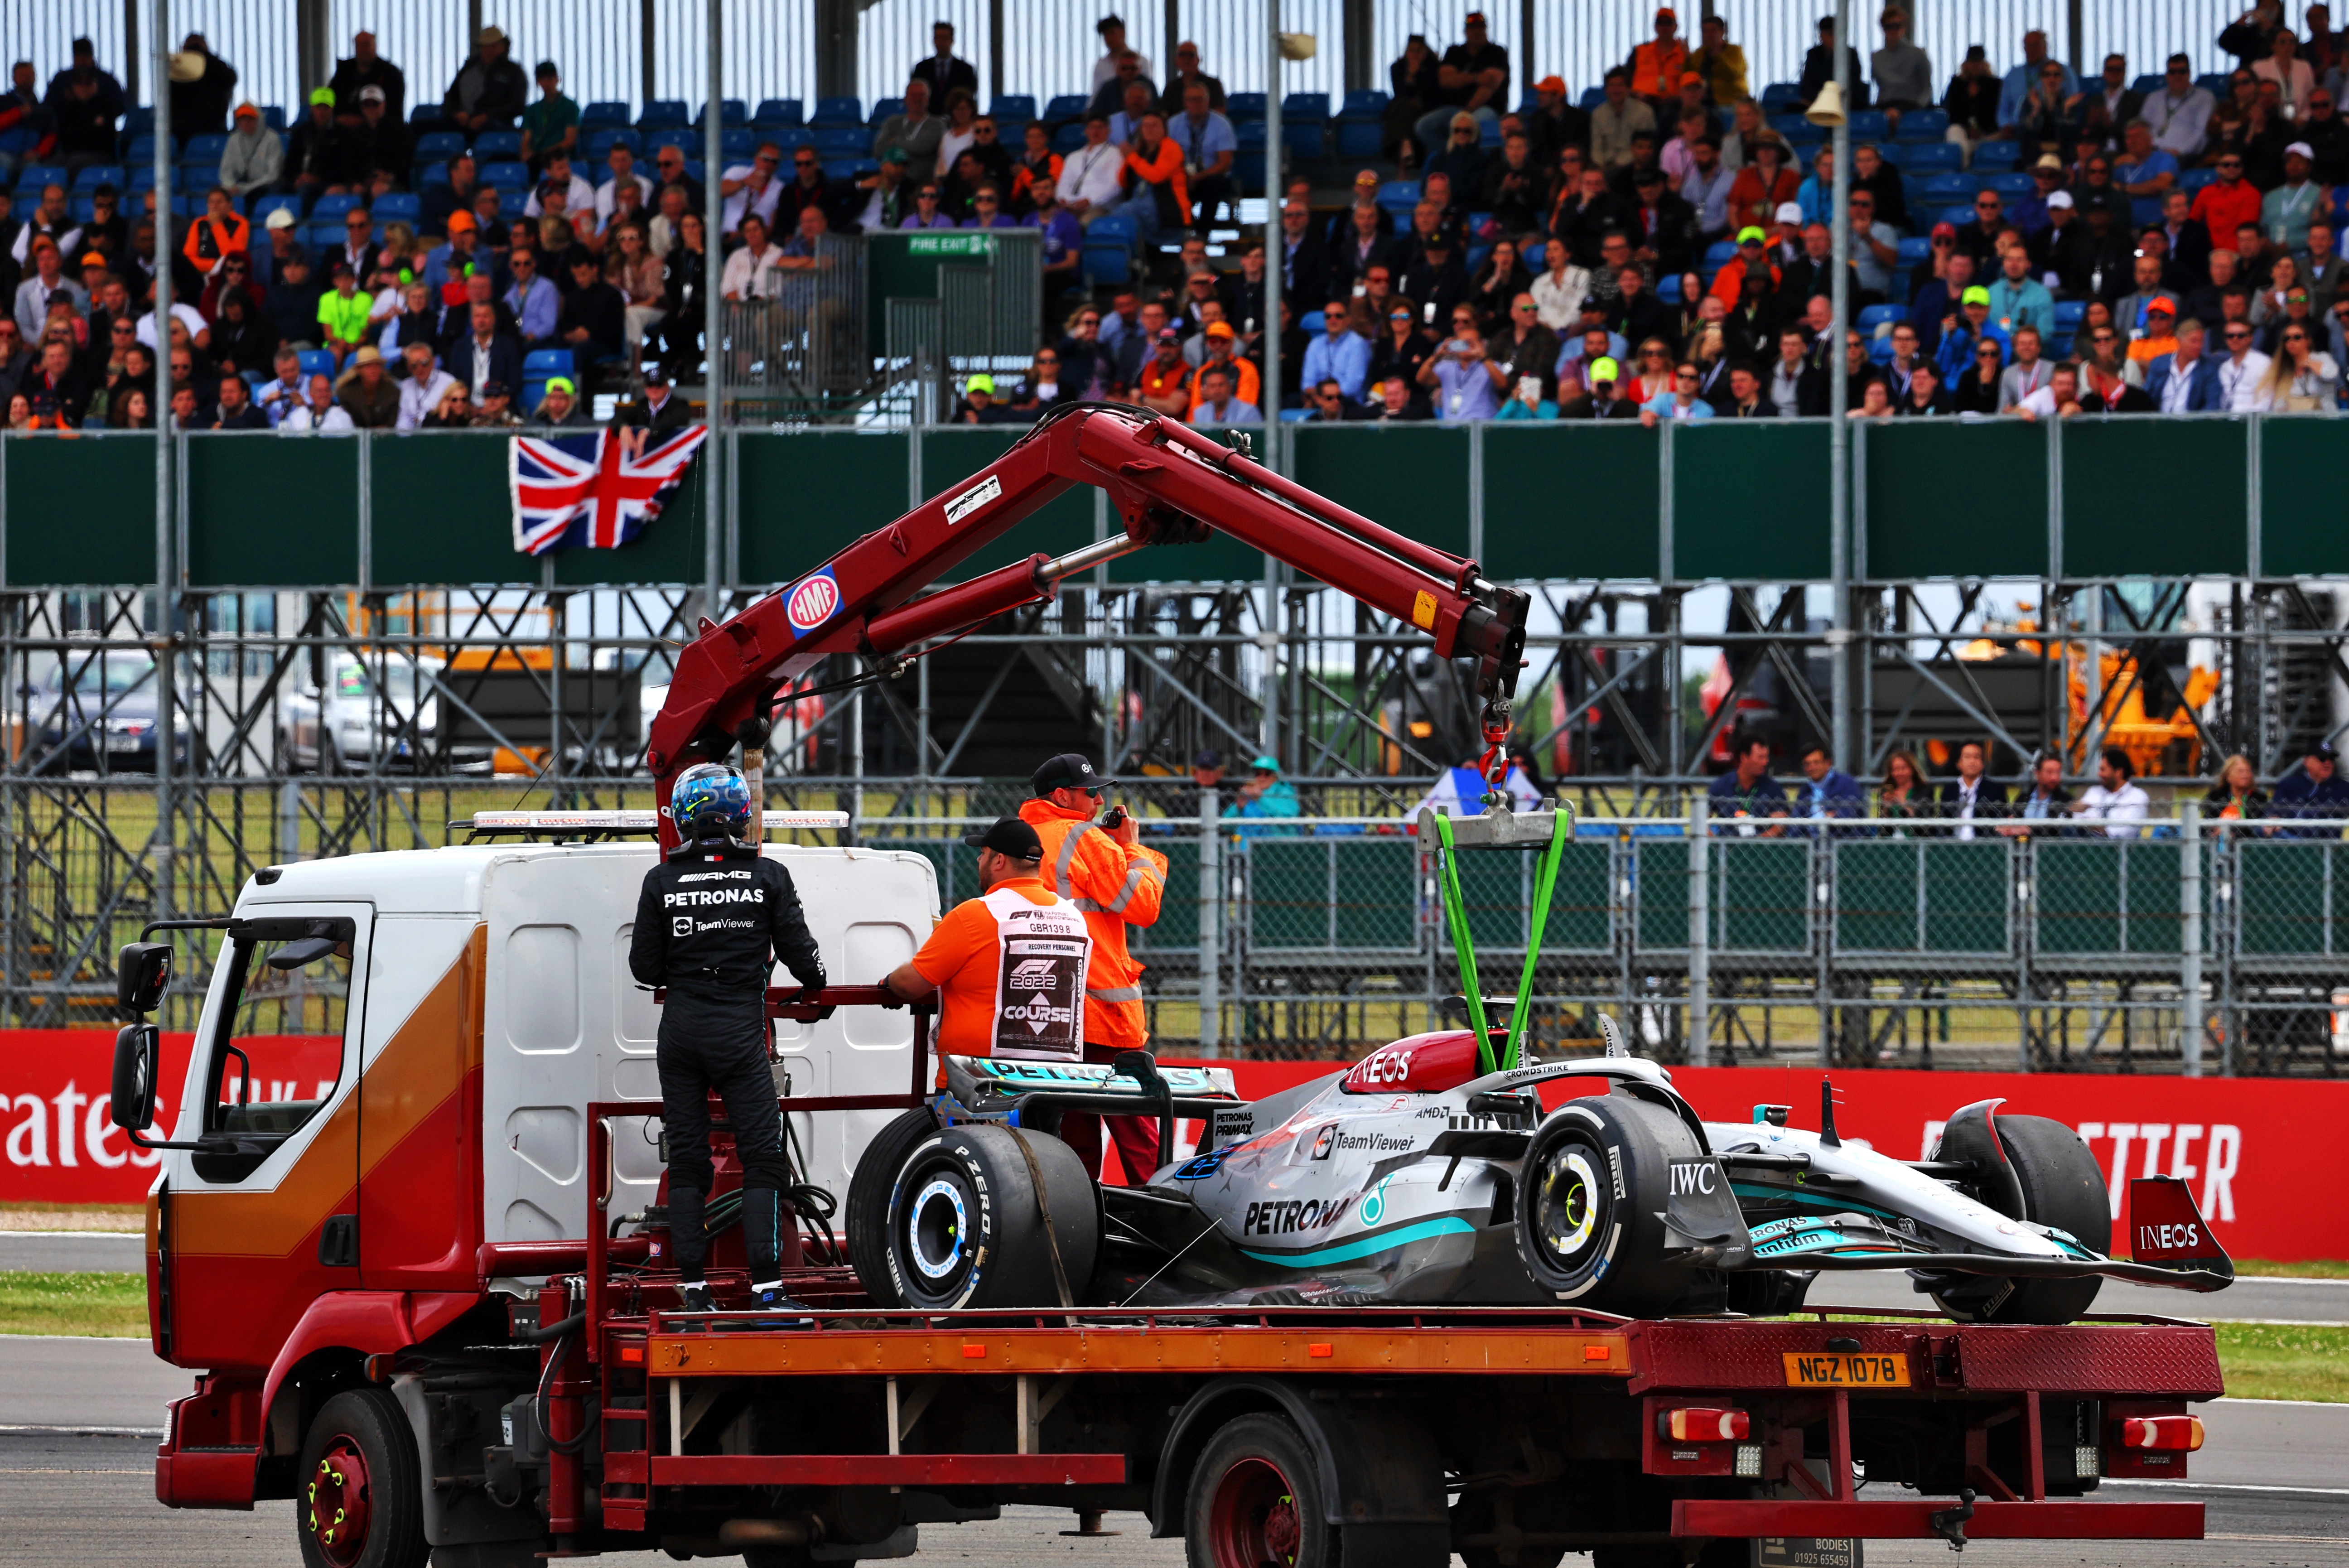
(1169, 486)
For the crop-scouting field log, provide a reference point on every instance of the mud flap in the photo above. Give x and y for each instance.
(1703, 1226)
(2165, 1231)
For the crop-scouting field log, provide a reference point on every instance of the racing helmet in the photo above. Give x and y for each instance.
(710, 799)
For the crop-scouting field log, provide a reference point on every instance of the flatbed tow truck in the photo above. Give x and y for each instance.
(412, 1307)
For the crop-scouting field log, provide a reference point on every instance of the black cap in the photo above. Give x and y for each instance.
(1070, 770)
(2324, 750)
(1009, 835)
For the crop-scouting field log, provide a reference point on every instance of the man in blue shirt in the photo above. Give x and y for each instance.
(1747, 791)
(1209, 147)
(2018, 300)
(1829, 792)
(2145, 172)
(2018, 83)
(1339, 354)
(534, 301)
(2316, 790)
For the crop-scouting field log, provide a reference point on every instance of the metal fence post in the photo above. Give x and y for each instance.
(2190, 911)
(1211, 909)
(1699, 907)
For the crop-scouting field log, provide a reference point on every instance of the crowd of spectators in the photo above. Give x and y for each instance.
(425, 310)
(1747, 800)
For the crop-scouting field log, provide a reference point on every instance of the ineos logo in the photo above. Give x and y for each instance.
(1383, 1067)
(2169, 1238)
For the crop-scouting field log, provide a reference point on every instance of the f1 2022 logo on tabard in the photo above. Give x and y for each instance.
(812, 602)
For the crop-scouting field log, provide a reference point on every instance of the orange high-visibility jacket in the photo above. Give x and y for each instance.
(1657, 67)
(1116, 886)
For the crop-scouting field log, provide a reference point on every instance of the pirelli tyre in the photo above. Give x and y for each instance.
(967, 1224)
(869, 1187)
(2064, 1188)
(1590, 1205)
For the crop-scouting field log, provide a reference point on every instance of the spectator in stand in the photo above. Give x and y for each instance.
(2030, 372)
(943, 70)
(1186, 71)
(1971, 102)
(1111, 30)
(2236, 795)
(1209, 148)
(1473, 75)
(1609, 400)
(2106, 108)
(1746, 793)
(253, 159)
(1526, 351)
(1763, 186)
(2145, 172)
(1155, 194)
(83, 105)
(2314, 791)
(1125, 98)
(1515, 190)
(1721, 62)
(1163, 382)
(2292, 75)
(1828, 793)
(483, 354)
(1793, 386)
(1812, 272)
(1217, 406)
(535, 302)
(48, 283)
(488, 91)
(1658, 64)
(2134, 310)
(552, 124)
(560, 407)
(2114, 799)
(1663, 225)
(1615, 122)
(2020, 81)
(1902, 72)
(1819, 68)
(1464, 381)
(1970, 797)
(234, 410)
(2179, 113)
(1684, 403)
(317, 411)
(753, 188)
(24, 125)
(2235, 378)
(425, 384)
(1401, 352)
(367, 69)
(1745, 398)
(56, 377)
(1924, 397)
(1411, 90)
(2045, 800)
(324, 158)
(342, 312)
(2060, 398)
(1037, 160)
(1222, 347)
(2286, 211)
(2018, 300)
(2303, 378)
(367, 394)
(1339, 354)
(1559, 291)
(1937, 301)
(1063, 243)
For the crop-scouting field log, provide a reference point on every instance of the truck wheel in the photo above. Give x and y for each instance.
(966, 1228)
(360, 1503)
(1590, 1208)
(1255, 1500)
(869, 1187)
(2063, 1188)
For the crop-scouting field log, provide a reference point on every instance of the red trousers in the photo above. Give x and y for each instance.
(1136, 1136)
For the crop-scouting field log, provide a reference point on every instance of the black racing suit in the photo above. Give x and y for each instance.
(707, 920)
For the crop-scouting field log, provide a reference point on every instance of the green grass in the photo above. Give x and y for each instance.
(2275, 1361)
(2319, 1269)
(111, 1306)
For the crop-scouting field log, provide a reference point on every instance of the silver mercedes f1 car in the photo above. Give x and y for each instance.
(1411, 1177)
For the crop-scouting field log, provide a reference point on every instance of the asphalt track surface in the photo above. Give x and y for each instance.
(2274, 1478)
(2269, 1300)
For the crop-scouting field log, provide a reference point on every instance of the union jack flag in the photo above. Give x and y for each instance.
(585, 490)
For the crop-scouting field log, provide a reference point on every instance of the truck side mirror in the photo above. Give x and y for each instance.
(141, 972)
(138, 1050)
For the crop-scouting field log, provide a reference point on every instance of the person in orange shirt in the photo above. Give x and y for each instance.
(1658, 64)
(1245, 381)
(1116, 883)
(1011, 965)
(218, 234)
(1157, 196)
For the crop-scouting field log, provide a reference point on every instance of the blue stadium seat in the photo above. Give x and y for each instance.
(840, 168)
(205, 149)
(197, 178)
(2012, 186)
(1995, 157)
(838, 111)
(1305, 109)
(2193, 179)
(2068, 312)
(1927, 157)
(403, 205)
(141, 149)
(1294, 416)
(1919, 123)
(773, 112)
(1313, 321)
(431, 174)
(512, 173)
(740, 142)
(1399, 196)
(32, 176)
(425, 114)
(1306, 141)
(98, 174)
(598, 144)
(1884, 315)
(674, 136)
(1488, 133)
(1592, 98)
(662, 114)
(83, 208)
(1365, 103)
(24, 207)
(265, 205)
(541, 363)
(1668, 287)
(2147, 84)
(1790, 126)
(490, 144)
(1106, 265)
(2212, 82)
(730, 112)
(318, 362)
(602, 114)
(1013, 108)
(137, 122)
(1949, 187)
(439, 144)
(1067, 139)
(1242, 107)
(1870, 123)
(1879, 349)
(1960, 216)
(1067, 106)
(842, 141)
(143, 178)
(1359, 138)
(273, 116)
(1778, 97)
(1718, 255)
(332, 208)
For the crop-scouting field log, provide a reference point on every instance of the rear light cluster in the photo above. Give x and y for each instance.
(1703, 1426)
(2178, 1434)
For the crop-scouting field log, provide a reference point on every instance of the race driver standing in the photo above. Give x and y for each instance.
(1103, 869)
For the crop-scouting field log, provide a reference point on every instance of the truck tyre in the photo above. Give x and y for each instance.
(359, 1496)
(1590, 1208)
(2064, 1188)
(869, 1185)
(966, 1229)
(1256, 1500)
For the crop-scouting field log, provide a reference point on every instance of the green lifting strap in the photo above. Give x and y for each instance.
(1464, 947)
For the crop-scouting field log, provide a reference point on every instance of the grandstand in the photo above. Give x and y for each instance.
(2150, 564)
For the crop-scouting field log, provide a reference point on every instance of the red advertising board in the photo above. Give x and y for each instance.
(2244, 1146)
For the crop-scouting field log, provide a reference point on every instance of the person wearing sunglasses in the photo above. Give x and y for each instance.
(2302, 379)
(2181, 112)
(927, 212)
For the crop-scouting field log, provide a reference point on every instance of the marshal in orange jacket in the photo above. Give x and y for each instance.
(1116, 885)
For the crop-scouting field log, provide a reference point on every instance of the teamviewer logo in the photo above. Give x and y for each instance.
(680, 925)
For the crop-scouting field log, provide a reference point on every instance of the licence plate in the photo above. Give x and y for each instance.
(122, 742)
(1846, 1369)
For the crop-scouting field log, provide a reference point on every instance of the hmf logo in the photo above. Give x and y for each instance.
(812, 602)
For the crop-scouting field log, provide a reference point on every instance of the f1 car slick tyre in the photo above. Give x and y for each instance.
(1590, 1205)
(966, 1228)
(868, 1201)
(1255, 1500)
(2063, 1188)
(359, 1501)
